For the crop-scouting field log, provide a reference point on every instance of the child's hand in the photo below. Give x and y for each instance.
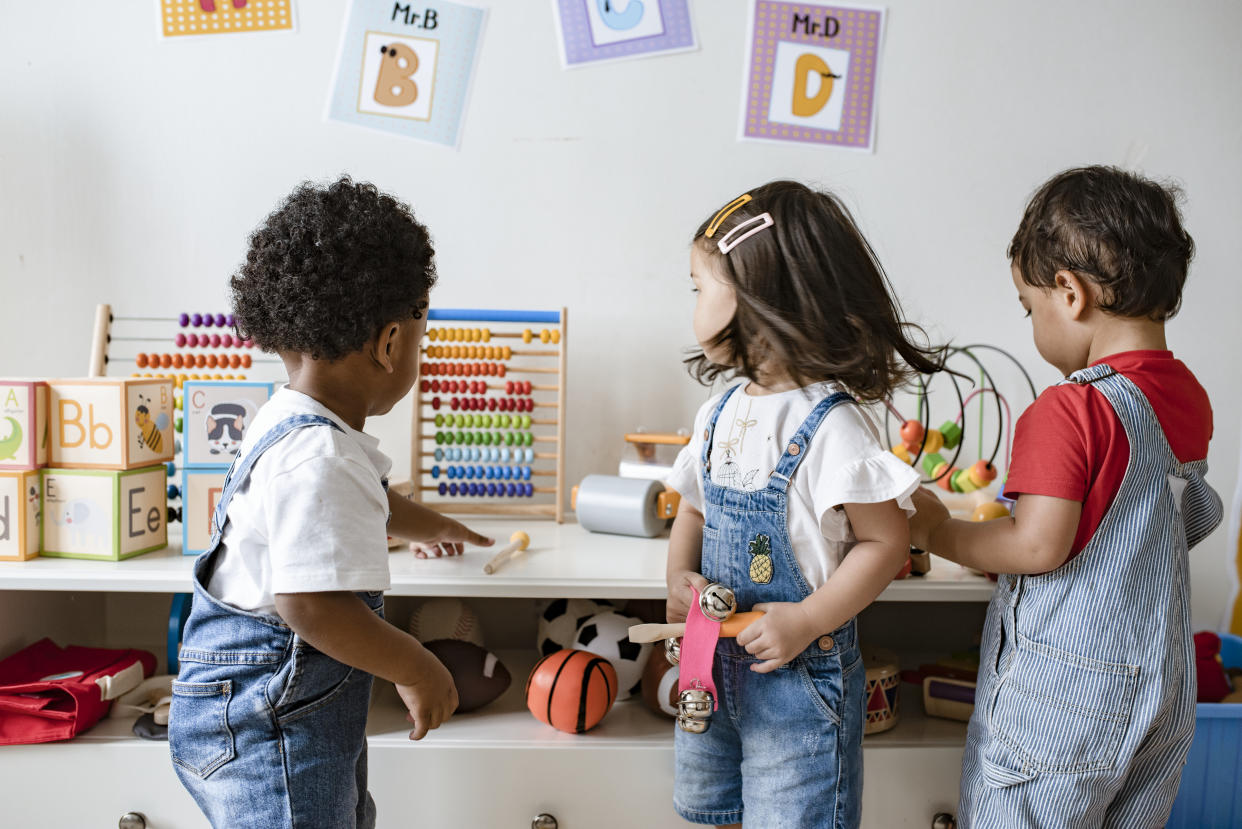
(931, 513)
(431, 699)
(680, 595)
(784, 632)
(449, 540)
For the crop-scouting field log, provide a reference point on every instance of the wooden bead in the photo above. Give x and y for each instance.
(901, 452)
(960, 481)
(989, 511)
(911, 433)
(184, 319)
(545, 336)
(982, 474)
(952, 434)
(527, 336)
(934, 441)
(946, 479)
(196, 320)
(487, 335)
(931, 462)
(179, 340)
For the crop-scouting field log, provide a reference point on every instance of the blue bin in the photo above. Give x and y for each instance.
(1210, 796)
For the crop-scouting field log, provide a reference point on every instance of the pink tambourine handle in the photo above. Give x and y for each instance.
(698, 651)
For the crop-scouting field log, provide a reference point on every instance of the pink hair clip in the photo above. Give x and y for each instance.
(752, 226)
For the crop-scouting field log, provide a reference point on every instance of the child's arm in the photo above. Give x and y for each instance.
(788, 627)
(427, 527)
(1036, 539)
(685, 557)
(340, 625)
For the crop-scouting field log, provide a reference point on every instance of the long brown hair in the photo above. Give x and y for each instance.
(812, 297)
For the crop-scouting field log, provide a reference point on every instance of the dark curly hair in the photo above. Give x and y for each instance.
(329, 268)
(1114, 228)
(812, 296)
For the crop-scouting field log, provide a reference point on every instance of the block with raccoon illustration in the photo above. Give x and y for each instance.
(217, 415)
(23, 424)
(110, 423)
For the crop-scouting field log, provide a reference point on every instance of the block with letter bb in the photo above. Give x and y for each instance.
(23, 424)
(218, 414)
(20, 513)
(200, 491)
(106, 423)
(104, 514)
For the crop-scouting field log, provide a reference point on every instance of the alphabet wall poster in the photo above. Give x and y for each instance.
(406, 68)
(811, 74)
(195, 18)
(597, 31)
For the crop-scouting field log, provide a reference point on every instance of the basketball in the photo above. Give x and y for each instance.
(660, 684)
(571, 690)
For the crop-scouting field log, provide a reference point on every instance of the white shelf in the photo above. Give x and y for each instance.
(564, 561)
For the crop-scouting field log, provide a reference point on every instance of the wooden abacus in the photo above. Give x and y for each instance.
(489, 413)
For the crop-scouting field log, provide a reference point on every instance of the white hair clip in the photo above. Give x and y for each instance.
(752, 226)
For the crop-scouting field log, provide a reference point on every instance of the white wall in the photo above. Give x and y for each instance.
(131, 171)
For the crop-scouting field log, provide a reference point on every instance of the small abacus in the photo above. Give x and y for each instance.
(486, 437)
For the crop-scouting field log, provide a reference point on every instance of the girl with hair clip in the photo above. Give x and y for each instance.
(789, 499)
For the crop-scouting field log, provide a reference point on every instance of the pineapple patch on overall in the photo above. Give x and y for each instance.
(760, 550)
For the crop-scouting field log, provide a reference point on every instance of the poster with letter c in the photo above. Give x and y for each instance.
(406, 68)
(811, 74)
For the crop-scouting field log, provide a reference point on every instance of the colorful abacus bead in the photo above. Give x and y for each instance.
(934, 465)
(982, 474)
(945, 482)
(912, 435)
(900, 450)
(934, 441)
(184, 319)
(952, 434)
(960, 481)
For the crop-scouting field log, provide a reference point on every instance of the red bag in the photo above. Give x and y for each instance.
(51, 693)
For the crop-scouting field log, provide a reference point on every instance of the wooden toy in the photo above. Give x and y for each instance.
(990, 511)
(104, 514)
(200, 491)
(216, 415)
(624, 506)
(21, 512)
(479, 675)
(650, 454)
(659, 684)
(23, 424)
(445, 618)
(730, 627)
(948, 697)
(122, 423)
(605, 634)
(489, 413)
(571, 690)
(519, 541)
(883, 682)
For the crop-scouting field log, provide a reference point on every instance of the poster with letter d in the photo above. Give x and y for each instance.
(406, 68)
(811, 74)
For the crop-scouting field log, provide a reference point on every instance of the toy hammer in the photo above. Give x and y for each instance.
(730, 627)
(519, 541)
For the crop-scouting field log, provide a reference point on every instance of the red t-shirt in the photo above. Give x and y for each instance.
(1070, 444)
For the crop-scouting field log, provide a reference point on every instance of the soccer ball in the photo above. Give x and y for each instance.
(561, 619)
(607, 634)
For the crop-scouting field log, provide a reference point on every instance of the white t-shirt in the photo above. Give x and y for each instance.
(311, 518)
(845, 464)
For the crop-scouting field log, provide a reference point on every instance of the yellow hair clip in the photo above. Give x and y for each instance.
(724, 213)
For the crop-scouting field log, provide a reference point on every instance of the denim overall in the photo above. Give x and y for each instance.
(785, 748)
(266, 731)
(1085, 707)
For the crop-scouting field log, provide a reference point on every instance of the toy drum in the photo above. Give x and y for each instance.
(883, 682)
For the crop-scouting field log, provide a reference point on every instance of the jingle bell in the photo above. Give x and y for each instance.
(717, 602)
(672, 651)
(694, 710)
(692, 726)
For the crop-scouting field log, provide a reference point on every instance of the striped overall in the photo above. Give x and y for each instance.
(1085, 707)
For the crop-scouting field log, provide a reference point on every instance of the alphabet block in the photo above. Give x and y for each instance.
(23, 424)
(104, 514)
(111, 423)
(217, 415)
(20, 514)
(200, 490)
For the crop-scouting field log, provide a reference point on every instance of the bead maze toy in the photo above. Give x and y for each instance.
(488, 424)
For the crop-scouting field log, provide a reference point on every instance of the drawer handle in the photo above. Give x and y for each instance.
(543, 821)
(944, 820)
(132, 820)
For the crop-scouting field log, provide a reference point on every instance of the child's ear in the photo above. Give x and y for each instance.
(387, 345)
(1075, 294)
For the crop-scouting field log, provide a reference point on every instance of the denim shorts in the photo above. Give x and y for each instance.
(785, 748)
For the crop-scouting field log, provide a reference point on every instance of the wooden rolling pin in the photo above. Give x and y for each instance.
(732, 626)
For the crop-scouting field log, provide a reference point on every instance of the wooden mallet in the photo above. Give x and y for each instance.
(730, 627)
(519, 541)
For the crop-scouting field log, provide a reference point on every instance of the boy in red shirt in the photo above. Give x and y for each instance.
(1084, 710)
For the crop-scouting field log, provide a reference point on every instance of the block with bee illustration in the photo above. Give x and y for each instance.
(217, 415)
(20, 515)
(110, 423)
(104, 514)
(23, 424)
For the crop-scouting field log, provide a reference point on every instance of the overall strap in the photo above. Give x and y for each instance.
(1131, 406)
(710, 431)
(795, 451)
(239, 472)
